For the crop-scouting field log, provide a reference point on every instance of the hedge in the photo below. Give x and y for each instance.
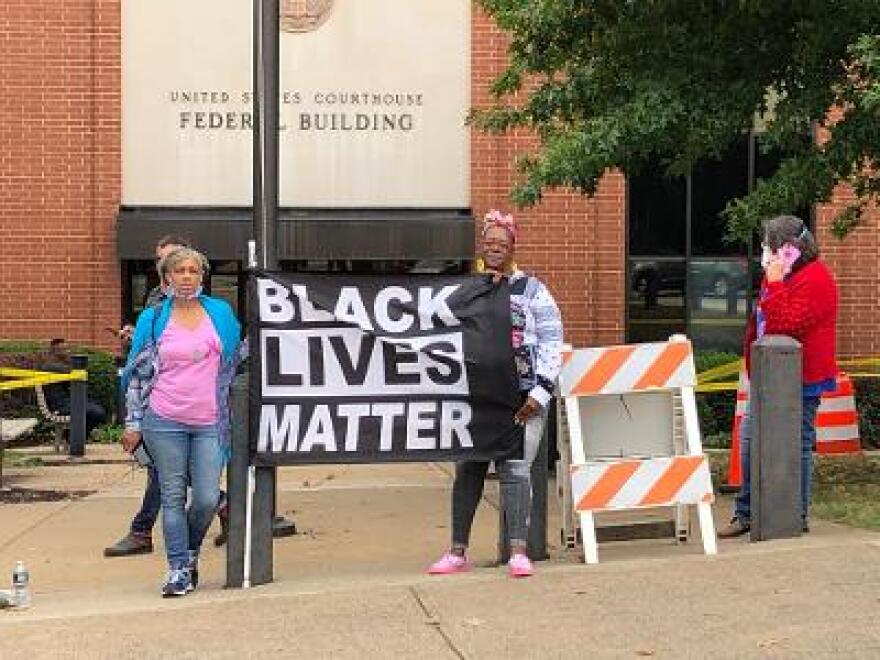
(868, 405)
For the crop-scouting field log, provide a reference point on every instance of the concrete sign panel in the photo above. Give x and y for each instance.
(374, 95)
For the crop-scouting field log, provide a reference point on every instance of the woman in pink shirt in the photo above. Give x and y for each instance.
(177, 380)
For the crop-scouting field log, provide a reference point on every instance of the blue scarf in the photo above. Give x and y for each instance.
(153, 321)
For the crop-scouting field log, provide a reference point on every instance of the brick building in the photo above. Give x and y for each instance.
(638, 260)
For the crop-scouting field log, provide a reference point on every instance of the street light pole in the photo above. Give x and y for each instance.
(266, 67)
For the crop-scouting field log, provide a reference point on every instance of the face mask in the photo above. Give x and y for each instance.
(195, 294)
(766, 254)
(170, 291)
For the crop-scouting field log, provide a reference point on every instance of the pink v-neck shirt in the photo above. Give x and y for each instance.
(189, 360)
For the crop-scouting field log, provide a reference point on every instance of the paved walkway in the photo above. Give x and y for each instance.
(352, 584)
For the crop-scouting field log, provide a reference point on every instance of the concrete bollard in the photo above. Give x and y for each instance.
(78, 396)
(776, 401)
(262, 520)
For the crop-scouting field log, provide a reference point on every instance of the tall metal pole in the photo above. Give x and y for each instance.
(265, 80)
(266, 58)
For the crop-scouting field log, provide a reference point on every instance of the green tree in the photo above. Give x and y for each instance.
(624, 83)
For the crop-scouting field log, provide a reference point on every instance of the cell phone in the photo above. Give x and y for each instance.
(141, 455)
(788, 253)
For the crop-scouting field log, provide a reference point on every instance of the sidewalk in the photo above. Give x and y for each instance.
(352, 584)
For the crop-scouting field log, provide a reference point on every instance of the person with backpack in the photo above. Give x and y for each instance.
(536, 336)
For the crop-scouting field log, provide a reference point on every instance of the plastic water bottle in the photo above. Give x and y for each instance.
(21, 590)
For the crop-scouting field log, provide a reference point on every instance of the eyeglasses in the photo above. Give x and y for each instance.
(497, 244)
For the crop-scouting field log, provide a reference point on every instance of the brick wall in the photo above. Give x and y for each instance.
(59, 169)
(856, 266)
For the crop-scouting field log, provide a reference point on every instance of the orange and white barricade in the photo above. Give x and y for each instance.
(629, 394)
(837, 424)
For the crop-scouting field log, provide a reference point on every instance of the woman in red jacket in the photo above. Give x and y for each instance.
(799, 299)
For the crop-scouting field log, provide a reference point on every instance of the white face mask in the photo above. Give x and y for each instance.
(195, 294)
(766, 255)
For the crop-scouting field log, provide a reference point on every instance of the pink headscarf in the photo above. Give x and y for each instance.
(496, 218)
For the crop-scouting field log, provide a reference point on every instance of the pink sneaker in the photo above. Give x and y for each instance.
(449, 564)
(520, 566)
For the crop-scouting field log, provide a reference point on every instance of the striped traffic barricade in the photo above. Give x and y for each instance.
(634, 434)
(646, 483)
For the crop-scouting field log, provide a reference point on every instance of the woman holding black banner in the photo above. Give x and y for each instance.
(180, 367)
(537, 342)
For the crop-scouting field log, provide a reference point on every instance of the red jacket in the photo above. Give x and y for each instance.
(804, 307)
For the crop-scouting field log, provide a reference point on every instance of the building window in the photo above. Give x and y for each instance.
(683, 276)
(226, 282)
(138, 278)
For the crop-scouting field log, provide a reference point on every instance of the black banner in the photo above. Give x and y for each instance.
(369, 369)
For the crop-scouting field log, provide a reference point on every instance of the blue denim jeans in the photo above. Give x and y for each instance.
(743, 507)
(515, 479)
(184, 455)
(145, 519)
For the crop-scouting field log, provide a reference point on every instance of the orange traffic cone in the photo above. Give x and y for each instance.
(734, 464)
(837, 423)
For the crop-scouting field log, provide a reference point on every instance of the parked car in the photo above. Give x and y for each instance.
(653, 278)
(719, 279)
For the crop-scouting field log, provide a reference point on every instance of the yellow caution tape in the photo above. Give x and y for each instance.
(75, 374)
(721, 371)
(860, 362)
(705, 379)
(704, 387)
(22, 378)
(716, 387)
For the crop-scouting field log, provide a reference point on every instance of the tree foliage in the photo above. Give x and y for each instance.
(625, 83)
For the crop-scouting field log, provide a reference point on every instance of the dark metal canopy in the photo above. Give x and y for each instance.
(223, 233)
